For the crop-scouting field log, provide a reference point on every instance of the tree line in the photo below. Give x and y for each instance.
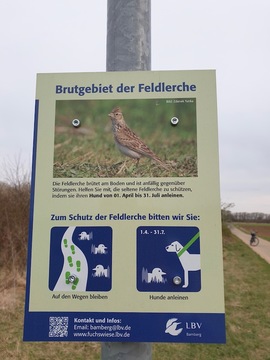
(254, 217)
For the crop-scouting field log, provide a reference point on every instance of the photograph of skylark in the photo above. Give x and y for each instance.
(125, 138)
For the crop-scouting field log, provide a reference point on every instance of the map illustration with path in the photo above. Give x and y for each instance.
(80, 259)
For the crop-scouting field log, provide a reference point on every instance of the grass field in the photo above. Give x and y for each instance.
(247, 298)
(262, 230)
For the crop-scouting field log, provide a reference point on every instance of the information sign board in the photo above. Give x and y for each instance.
(125, 231)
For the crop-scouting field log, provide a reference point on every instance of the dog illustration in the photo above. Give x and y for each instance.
(189, 262)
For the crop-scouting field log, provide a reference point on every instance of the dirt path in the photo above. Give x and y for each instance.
(263, 249)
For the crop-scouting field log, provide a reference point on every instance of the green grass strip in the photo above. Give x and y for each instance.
(191, 241)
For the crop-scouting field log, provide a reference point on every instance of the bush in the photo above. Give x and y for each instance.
(14, 218)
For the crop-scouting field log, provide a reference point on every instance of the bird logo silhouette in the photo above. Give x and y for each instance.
(171, 327)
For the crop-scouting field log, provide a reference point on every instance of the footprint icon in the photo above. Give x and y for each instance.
(71, 279)
(70, 261)
(78, 264)
(72, 247)
(65, 243)
(74, 285)
(67, 276)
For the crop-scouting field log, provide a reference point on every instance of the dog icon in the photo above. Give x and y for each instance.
(189, 262)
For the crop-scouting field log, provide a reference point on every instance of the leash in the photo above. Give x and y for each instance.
(191, 241)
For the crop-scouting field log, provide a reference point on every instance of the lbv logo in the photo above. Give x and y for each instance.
(193, 325)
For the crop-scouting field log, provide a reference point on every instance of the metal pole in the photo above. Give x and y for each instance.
(128, 35)
(128, 49)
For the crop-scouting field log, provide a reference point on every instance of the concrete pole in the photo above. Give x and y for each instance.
(128, 49)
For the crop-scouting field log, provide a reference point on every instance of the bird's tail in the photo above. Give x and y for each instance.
(160, 162)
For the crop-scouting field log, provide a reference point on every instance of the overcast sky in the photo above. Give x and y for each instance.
(230, 36)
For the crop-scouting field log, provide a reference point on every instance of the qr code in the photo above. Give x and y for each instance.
(58, 326)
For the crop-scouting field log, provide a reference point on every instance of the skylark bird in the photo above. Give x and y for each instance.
(128, 142)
